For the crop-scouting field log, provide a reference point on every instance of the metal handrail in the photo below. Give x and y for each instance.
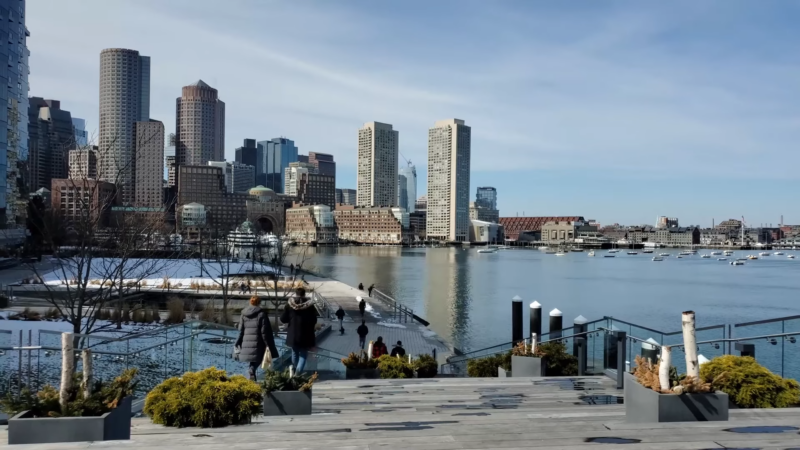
(712, 341)
(561, 338)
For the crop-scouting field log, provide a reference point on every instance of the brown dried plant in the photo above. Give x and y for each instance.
(647, 374)
(524, 349)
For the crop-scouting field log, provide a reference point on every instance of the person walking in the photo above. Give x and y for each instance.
(255, 336)
(362, 332)
(398, 350)
(362, 306)
(340, 316)
(369, 290)
(299, 314)
(360, 286)
(379, 348)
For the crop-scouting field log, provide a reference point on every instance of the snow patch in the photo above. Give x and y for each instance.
(391, 325)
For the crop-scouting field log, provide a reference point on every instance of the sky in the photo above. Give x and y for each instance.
(618, 111)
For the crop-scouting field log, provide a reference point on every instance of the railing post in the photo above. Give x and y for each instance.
(556, 324)
(578, 326)
(746, 349)
(516, 319)
(535, 319)
(650, 350)
(580, 343)
(621, 342)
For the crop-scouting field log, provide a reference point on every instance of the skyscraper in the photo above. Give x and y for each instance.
(279, 152)
(50, 137)
(149, 168)
(449, 149)
(124, 100)
(238, 177)
(81, 136)
(407, 187)
(346, 197)
(200, 125)
(486, 197)
(323, 162)
(253, 155)
(378, 148)
(14, 116)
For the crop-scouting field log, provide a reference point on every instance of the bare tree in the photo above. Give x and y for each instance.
(281, 261)
(219, 265)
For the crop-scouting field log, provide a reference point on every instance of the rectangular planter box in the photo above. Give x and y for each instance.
(111, 426)
(361, 374)
(524, 366)
(287, 403)
(503, 373)
(643, 405)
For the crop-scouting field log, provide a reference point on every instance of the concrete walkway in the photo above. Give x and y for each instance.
(417, 339)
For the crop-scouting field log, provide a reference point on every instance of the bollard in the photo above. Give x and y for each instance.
(746, 349)
(556, 322)
(536, 319)
(621, 339)
(650, 350)
(516, 319)
(580, 343)
(578, 327)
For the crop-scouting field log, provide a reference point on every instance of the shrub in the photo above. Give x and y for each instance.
(207, 314)
(359, 361)
(52, 313)
(156, 314)
(393, 367)
(487, 367)
(426, 366)
(749, 384)
(175, 312)
(207, 399)
(126, 313)
(556, 359)
(138, 316)
(276, 381)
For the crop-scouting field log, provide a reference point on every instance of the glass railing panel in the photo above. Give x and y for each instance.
(791, 349)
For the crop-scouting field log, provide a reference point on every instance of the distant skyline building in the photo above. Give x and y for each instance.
(485, 206)
(13, 116)
(378, 149)
(449, 148)
(253, 154)
(407, 187)
(83, 163)
(200, 125)
(149, 169)
(50, 137)
(238, 177)
(124, 100)
(666, 222)
(81, 136)
(346, 197)
(486, 197)
(278, 152)
(310, 187)
(323, 162)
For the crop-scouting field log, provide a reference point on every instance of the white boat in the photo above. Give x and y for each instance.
(722, 259)
(561, 254)
(550, 252)
(790, 256)
(647, 251)
(716, 253)
(779, 253)
(742, 259)
(685, 253)
(487, 250)
(591, 253)
(657, 258)
(633, 253)
(577, 250)
(752, 257)
(504, 247)
(663, 254)
(613, 250)
(728, 252)
(764, 253)
(737, 263)
(705, 256)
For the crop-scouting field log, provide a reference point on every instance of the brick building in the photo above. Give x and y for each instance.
(373, 225)
(311, 225)
(81, 201)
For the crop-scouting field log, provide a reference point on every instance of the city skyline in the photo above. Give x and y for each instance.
(631, 118)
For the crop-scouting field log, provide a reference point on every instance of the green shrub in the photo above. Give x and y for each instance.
(426, 366)
(359, 361)
(556, 359)
(749, 384)
(276, 381)
(487, 367)
(393, 367)
(206, 399)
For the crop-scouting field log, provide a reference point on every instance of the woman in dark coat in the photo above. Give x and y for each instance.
(255, 336)
(301, 316)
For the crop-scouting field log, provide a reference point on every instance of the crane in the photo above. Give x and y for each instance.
(404, 158)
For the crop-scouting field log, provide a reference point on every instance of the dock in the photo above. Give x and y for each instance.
(467, 413)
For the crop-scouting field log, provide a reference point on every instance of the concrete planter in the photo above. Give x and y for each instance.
(503, 373)
(361, 374)
(643, 405)
(111, 426)
(525, 366)
(287, 403)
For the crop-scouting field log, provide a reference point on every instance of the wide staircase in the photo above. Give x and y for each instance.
(473, 413)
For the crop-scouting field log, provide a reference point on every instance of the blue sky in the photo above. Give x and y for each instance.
(618, 111)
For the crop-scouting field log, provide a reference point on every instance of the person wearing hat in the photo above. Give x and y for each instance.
(398, 350)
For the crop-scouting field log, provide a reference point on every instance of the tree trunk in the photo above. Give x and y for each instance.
(663, 368)
(690, 344)
(87, 373)
(67, 368)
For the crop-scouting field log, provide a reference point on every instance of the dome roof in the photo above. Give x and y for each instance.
(260, 190)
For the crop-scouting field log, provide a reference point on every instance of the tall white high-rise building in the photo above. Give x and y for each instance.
(378, 149)
(407, 187)
(449, 148)
(124, 100)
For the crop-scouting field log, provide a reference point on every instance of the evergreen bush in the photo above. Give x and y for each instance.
(749, 384)
(277, 381)
(394, 367)
(206, 399)
(487, 367)
(359, 361)
(558, 362)
(426, 366)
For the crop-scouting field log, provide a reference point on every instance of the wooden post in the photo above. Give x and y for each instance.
(88, 373)
(67, 369)
(690, 344)
(663, 369)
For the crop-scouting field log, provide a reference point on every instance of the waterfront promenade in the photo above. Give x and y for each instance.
(465, 413)
(417, 339)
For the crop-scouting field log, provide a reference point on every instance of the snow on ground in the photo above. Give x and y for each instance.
(372, 312)
(390, 324)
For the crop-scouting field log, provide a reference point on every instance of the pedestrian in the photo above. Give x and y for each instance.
(369, 291)
(255, 337)
(340, 316)
(291, 269)
(398, 350)
(301, 317)
(362, 306)
(379, 348)
(362, 332)
(360, 286)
